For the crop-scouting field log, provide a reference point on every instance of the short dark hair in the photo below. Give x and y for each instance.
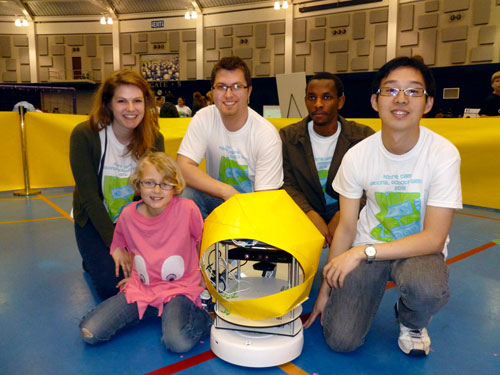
(231, 63)
(404, 61)
(169, 97)
(327, 75)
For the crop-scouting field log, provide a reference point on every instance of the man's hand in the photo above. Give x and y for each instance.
(340, 266)
(319, 306)
(228, 192)
(321, 225)
(122, 259)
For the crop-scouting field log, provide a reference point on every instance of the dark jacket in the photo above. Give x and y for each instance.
(85, 156)
(300, 173)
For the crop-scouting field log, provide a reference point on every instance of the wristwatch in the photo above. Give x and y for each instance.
(370, 253)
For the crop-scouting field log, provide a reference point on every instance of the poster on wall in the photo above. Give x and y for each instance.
(160, 67)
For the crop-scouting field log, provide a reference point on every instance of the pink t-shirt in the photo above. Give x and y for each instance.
(165, 253)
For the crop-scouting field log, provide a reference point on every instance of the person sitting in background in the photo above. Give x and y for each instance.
(122, 126)
(28, 107)
(241, 148)
(168, 109)
(159, 102)
(491, 106)
(182, 108)
(162, 232)
(198, 102)
(209, 97)
(313, 150)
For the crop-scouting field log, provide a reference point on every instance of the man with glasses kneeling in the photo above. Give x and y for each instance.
(241, 148)
(411, 177)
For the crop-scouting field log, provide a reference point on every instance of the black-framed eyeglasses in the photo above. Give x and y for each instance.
(393, 91)
(148, 184)
(235, 87)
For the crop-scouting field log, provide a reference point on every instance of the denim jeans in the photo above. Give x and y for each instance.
(205, 202)
(183, 324)
(349, 312)
(97, 260)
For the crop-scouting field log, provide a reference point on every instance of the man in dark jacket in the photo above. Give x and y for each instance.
(313, 150)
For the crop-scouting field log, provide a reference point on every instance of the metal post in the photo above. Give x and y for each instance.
(27, 190)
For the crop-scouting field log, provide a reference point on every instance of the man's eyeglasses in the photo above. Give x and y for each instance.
(392, 91)
(148, 184)
(235, 87)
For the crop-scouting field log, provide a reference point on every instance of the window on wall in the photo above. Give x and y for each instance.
(77, 67)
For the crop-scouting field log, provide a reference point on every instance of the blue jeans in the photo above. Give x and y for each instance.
(205, 202)
(98, 262)
(349, 312)
(183, 324)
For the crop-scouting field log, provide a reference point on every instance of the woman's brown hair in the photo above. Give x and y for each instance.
(144, 135)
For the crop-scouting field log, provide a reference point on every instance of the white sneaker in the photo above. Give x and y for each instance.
(414, 341)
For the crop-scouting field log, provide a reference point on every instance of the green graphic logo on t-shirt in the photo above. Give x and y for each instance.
(399, 215)
(234, 174)
(323, 177)
(117, 194)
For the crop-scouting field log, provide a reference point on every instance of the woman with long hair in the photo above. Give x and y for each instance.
(122, 126)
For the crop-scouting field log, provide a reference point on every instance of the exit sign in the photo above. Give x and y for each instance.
(157, 24)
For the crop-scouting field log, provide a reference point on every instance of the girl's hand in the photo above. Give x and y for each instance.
(123, 259)
(122, 283)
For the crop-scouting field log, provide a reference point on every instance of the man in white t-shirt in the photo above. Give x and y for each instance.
(411, 177)
(241, 148)
(313, 149)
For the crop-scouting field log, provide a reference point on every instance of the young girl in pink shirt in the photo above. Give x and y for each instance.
(155, 243)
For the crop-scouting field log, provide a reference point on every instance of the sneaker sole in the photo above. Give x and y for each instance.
(414, 352)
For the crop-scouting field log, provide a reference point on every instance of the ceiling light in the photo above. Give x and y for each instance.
(103, 20)
(194, 15)
(285, 4)
(277, 5)
(21, 22)
(110, 21)
(187, 15)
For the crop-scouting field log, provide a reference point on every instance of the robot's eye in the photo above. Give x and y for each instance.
(172, 268)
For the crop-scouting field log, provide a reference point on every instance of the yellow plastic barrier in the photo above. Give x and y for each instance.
(48, 150)
(11, 170)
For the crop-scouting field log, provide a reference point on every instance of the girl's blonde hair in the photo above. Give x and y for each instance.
(144, 135)
(165, 165)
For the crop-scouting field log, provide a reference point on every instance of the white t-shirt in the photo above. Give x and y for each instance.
(184, 111)
(399, 187)
(323, 149)
(115, 174)
(248, 159)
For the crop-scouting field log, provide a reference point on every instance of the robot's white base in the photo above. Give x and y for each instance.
(251, 349)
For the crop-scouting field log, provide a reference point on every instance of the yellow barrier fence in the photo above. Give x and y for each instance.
(47, 138)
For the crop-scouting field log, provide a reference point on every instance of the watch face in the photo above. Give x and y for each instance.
(370, 251)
